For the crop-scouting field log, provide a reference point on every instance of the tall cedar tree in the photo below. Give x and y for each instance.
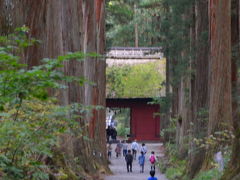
(199, 85)
(220, 105)
(68, 26)
(233, 169)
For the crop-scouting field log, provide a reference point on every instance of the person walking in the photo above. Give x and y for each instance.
(114, 134)
(125, 148)
(152, 160)
(141, 161)
(109, 149)
(152, 174)
(108, 133)
(118, 149)
(143, 148)
(135, 148)
(129, 160)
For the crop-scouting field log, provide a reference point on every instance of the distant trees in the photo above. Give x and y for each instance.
(142, 80)
(202, 69)
(124, 23)
(200, 39)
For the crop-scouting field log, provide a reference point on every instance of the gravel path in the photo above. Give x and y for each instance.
(118, 166)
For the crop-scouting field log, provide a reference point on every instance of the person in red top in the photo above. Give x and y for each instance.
(152, 160)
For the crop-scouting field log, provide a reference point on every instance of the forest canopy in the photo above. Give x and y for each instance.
(124, 23)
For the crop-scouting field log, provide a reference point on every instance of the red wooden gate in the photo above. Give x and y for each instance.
(144, 124)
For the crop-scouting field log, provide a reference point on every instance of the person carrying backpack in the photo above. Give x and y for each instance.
(152, 173)
(129, 160)
(141, 161)
(118, 149)
(152, 160)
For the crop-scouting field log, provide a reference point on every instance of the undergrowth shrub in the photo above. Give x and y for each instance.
(122, 131)
(171, 165)
(212, 174)
(31, 121)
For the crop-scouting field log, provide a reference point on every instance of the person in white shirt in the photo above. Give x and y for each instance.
(143, 148)
(125, 148)
(135, 148)
(219, 159)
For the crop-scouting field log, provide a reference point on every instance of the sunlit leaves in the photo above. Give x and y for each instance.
(142, 80)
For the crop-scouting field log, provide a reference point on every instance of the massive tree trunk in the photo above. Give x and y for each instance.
(200, 86)
(220, 106)
(185, 87)
(67, 26)
(233, 170)
(184, 116)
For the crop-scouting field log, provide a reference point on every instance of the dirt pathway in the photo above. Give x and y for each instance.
(118, 166)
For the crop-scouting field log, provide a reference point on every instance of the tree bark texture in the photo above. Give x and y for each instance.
(233, 170)
(199, 85)
(185, 93)
(67, 26)
(220, 106)
(184, 115)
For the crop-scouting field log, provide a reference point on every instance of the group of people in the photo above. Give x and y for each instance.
(111, 132)
(131, 154)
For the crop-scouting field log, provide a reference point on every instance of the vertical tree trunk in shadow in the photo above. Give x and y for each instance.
(200, 86)
(233, 169)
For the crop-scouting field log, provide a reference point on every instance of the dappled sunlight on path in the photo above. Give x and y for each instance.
(118, 166)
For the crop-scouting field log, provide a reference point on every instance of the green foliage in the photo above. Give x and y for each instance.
(122, 15)
(175, 27)
(212, 174)
(212, 141)
(171, 129)
(27, 135)
(173, 167)
(143, 80)
(123, 121)
(165, 103)
(18, 83)
(31, 121)
(122, 131)
(173, 173)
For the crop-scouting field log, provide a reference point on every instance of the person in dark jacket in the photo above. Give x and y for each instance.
(129, 160)
(108, 133)
(114, 133)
